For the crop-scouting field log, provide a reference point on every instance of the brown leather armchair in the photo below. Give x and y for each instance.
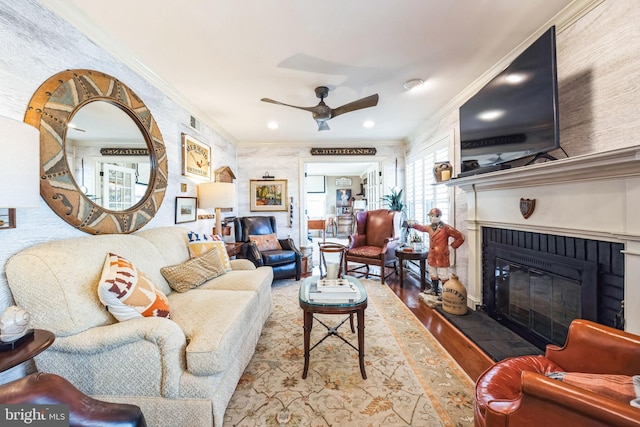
(516, 392)
(375, 241)
(49, 389)
(285, 262)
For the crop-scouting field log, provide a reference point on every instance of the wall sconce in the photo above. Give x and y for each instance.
(19, 169)
(217, 195)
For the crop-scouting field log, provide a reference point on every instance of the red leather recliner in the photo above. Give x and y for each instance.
(515, 392)
(375, 241)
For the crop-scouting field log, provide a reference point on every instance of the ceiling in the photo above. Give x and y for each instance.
(219, 58)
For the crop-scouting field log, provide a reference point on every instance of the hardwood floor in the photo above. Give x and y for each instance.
(473, 360)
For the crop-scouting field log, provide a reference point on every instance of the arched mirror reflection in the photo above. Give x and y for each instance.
(108, 156)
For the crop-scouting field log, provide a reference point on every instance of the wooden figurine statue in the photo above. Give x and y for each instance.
(438, 258)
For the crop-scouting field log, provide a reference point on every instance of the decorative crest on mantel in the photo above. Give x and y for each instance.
(526, 207)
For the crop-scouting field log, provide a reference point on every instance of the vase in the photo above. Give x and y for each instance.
(442, 171)
(454, 296)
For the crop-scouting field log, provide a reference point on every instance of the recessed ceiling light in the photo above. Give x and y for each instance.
(413, 84)
(273, 125)
(368, 124)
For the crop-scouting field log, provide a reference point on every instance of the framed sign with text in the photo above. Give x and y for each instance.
(196, 158)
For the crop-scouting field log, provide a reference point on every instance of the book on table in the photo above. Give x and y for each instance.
(334, 285)
(333, 291)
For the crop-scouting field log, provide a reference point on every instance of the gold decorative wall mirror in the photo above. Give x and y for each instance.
(103, 161)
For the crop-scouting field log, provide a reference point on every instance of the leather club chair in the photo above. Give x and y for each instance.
(516, 392)
(49, 389)
(375, 241)
(286, 262)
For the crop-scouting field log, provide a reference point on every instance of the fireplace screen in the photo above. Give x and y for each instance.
(542, 303)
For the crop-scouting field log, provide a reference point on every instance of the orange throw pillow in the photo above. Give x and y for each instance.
(128, 293)
(266, 242)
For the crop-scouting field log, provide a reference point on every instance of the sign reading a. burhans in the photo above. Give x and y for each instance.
(343, 151)
(124, 151)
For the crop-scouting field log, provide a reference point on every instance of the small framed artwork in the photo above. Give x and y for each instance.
(196, 158)
(186, 209)
(343, 197)
(268, 196)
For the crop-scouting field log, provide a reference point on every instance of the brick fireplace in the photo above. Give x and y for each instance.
(584, 203)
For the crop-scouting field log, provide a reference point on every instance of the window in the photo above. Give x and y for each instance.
(421, 193)
(316, 203)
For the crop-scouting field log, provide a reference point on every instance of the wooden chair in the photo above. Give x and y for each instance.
(318, 224)
(375, 241)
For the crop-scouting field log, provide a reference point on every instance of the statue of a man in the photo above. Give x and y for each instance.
(438, 258)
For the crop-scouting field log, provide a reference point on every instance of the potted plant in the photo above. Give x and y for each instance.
(394, 200)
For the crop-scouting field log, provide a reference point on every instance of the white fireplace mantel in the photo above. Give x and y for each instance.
(595, 196)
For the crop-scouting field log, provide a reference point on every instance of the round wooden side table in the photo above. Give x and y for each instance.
(26, 350)
(421, 256)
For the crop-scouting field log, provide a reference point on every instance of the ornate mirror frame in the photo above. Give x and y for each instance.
(51, 109)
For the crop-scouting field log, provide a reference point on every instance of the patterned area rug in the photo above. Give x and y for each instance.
(412, 380)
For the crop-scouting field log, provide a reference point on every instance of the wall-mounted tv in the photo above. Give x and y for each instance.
(516, 114)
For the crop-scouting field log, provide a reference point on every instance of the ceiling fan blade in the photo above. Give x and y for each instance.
(288, 105)
(322, 125)
(369, 101)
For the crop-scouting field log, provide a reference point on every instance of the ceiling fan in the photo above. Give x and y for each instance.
(322, 112)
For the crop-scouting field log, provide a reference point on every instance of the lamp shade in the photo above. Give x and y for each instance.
(216, 195)
(19, 164)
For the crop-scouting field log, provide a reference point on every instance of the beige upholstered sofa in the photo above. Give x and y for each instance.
(181, 372)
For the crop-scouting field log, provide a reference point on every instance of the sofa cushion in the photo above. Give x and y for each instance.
(128, 293)
(215, 324)
(279, 257)
(266, 242)
(201, 243)
(194, 272)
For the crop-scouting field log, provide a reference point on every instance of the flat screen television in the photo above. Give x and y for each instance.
(516, 114)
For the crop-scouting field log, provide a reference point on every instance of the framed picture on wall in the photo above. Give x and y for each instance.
(268, 196)
(186, 209)
(343, 196)
(196, 158)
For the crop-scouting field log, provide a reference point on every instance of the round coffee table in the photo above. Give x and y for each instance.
(421, 256)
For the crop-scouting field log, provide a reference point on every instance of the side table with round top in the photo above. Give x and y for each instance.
(310, 307)
(420, 255)
(26, 350)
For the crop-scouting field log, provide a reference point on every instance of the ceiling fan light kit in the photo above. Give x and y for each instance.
(322, 112)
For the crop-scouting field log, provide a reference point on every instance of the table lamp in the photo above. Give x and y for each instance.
(19, 169)
(217, 195)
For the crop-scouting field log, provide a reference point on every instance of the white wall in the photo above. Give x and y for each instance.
(36, 44)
